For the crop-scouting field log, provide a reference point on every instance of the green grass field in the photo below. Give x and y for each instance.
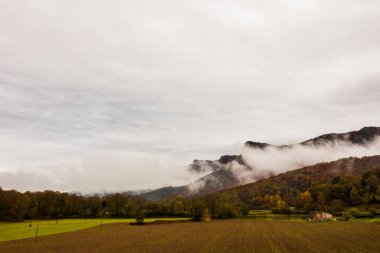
(13, 231)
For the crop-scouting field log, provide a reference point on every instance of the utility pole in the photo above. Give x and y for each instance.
(35, 238)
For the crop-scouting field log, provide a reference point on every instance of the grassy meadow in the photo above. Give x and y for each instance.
(19, 230)
(234, 235)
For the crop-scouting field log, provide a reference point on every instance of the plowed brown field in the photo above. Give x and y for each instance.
(215, 236)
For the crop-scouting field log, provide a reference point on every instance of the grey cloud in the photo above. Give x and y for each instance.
(175, 79)
(364, 91)
(25, 181)
(275, 160)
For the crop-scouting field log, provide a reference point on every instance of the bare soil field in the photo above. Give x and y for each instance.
(237, 235)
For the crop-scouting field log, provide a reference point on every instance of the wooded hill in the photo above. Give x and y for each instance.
(343, 179)
(222, 177)
(335, 187)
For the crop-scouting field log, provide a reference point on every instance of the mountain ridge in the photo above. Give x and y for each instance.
(303, 178)
(223, 174)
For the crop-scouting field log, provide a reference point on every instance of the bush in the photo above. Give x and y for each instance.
(197, 211)
(336, 206)
(358, 213)
(139, 216)
(206, 215)
(244, 210)
(374, 212)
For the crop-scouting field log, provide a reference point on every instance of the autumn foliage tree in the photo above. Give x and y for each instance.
(305, 201)
(321, 202)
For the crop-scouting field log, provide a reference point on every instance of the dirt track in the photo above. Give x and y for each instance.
(216, 236)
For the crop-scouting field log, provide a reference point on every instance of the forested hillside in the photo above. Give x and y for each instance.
(336, 187)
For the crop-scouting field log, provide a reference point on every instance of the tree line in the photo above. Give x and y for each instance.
(17, 206)
(335, 196)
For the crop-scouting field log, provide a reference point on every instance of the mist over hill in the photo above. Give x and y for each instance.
(262, 160)
(302, 179)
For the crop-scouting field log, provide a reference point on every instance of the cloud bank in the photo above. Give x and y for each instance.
(89, 83)
(257, 163)
(274, 160)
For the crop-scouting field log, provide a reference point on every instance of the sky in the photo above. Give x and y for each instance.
(123, 95)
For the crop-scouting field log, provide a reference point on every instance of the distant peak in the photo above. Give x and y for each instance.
(229, 158)
(361, 137)
(369, 128)
(258, 145)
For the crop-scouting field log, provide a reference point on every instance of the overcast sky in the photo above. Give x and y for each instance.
(121, 95)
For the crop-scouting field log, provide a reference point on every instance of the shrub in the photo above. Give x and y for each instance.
(139, 216)
(206, 215)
